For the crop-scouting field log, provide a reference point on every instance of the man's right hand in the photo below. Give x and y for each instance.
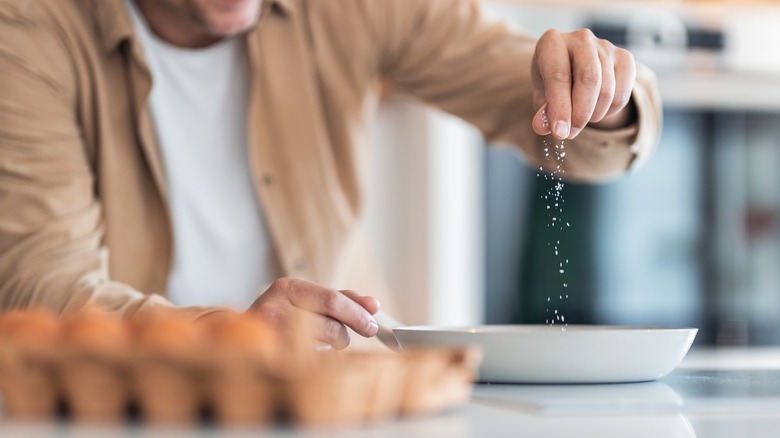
(328, 311)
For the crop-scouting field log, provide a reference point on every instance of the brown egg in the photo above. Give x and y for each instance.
(245, 333)
(92, 328)
(167, 330)
(29, 327)
(211, 320)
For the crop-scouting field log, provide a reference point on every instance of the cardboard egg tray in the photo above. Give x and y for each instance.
(176, 387)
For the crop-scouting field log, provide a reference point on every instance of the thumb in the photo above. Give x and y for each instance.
(540, 123)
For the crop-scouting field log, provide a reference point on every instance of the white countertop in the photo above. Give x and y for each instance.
(712, 394)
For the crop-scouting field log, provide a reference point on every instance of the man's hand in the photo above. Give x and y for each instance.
(328, 312)
(578, 80)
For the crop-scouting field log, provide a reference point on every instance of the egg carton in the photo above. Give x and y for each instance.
(236, 387)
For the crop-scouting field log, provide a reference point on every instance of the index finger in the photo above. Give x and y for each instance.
(336, 305)
(555, 71)
(371, 304)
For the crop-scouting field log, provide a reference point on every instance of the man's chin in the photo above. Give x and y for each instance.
(229, 25)
(231, 17)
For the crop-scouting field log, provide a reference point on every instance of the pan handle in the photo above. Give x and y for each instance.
(385, 334)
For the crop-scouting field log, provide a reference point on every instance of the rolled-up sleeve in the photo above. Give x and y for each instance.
(448, 54)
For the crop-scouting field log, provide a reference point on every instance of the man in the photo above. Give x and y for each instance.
(202, 149)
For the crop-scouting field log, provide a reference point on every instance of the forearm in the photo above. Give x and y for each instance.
(92, 291)
(60, 271)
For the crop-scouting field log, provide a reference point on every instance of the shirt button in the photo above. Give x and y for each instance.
(300, 266)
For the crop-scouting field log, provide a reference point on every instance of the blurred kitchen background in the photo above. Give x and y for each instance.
(692, 239)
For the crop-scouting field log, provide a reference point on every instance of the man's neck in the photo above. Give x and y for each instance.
(173, 26)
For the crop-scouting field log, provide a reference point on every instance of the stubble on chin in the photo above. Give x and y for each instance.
(208, 19)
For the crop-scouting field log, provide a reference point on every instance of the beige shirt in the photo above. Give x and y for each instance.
(83, 205)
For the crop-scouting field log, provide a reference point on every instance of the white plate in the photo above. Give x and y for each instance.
(554, 354)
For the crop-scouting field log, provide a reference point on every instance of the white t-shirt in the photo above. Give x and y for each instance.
(223, 254)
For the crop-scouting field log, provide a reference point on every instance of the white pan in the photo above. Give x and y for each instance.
(554, 353)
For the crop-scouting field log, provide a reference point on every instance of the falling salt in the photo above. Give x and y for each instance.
(556, 222)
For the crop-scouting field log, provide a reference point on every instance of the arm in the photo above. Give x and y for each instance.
(447, 54)
(52, 253)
